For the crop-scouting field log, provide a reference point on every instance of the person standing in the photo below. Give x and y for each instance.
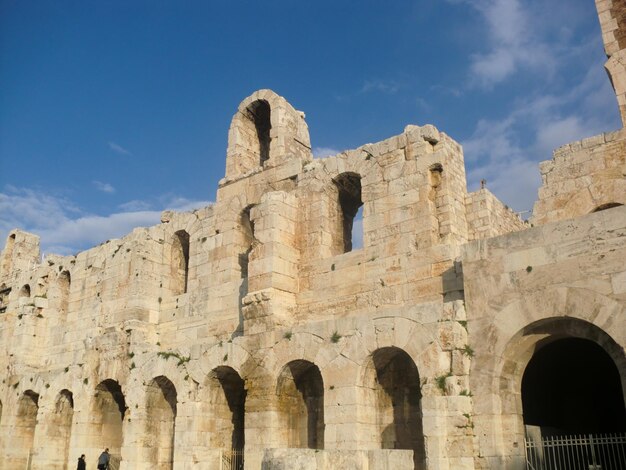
(103, 460)
(81, 463)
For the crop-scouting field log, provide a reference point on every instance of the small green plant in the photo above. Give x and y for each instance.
(332, 267)
(468, 351)
(67, 369)
(225, 358)
(463, 323)
(39, 315)
(441, 382)
(287, 335)
(85, 380)
(47, 385)
(335, 337)
(167, 354)
(465, 393)
(332, 387)
(529, 269)
(132, 365)
(131, 355)
(15, 384)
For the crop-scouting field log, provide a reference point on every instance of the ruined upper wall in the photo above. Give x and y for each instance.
(488, 217)
(582, 177)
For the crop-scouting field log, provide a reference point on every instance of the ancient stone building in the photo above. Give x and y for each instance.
(254, 326)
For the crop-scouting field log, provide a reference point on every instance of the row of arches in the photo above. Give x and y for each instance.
(392, 387)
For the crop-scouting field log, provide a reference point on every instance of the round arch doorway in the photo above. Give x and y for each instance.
(572, 386)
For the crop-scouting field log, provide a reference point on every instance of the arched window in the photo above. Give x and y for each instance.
(161, 403)
(180, 262)
(435, 179)
(64, 281)
(25, 291)
(259, 113)
(301, 404)
(349, 199)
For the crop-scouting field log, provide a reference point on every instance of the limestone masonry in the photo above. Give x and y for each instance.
(251, 332)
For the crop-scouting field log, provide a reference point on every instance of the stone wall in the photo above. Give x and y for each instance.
(487, 217)
(582, 177)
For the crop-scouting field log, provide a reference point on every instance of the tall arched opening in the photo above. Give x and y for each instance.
(161, 403)
(20, 451)
(572, 386)
(259, 113)
(349, 201)
(301, 405)
(180, 262)
(228, 398)
(59, 431)
(393, 397)
(108, 410)
(64, 281)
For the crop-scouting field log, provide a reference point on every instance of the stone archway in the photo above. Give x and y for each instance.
(563, 346)
(392, 392)
(300, 392)
(59, 430)
(228, 398)
(107, 419)
(19, 448)
(161, 404)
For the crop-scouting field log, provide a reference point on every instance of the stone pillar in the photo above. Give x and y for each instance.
(273, 267)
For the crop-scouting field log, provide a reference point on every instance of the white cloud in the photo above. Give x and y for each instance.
(65, 229)
(119, 149)
(515, 41)
(506, 151)
(382, 86)
(322, 152)
(104, 187)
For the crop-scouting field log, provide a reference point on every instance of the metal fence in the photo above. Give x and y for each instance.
(583, 452)
(231, 459)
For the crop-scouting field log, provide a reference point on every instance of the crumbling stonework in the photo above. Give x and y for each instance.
(252, 331)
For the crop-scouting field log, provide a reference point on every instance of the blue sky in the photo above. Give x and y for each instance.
(111, 111)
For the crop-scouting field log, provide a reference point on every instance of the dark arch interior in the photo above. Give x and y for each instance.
(301, 392)
(397, 375)
(235, 393)
(349, 188)
(260, 115)
(572, 386)
(182, 239)
(609, 205)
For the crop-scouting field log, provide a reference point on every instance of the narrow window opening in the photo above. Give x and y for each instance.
(435, 178)
(180, 262)
(64, 287)
(260, 114)
(349, 193)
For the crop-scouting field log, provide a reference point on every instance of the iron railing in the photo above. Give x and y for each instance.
(577, 452)
(231, 459)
